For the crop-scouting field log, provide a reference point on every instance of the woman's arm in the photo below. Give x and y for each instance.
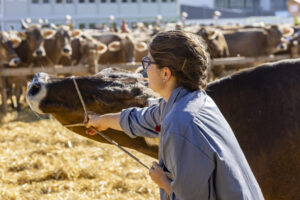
(103, 122)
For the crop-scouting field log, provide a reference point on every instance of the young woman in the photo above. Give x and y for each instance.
(199, 156)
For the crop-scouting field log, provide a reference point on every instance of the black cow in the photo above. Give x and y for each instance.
(262, 105)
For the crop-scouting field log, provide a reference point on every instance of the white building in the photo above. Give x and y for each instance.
(198, 3)
(86, 13)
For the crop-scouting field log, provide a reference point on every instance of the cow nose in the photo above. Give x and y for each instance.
(39, 52)
(14, 61)
(34, 89)
(17, 61)
(66, 50)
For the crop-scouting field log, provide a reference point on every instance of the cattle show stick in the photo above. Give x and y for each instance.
(120, 147)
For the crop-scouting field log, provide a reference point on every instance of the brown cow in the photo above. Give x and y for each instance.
(215, 41)
(255, 42)
(85, 50)
(262, 105)
(58, 45)
(216, 46)
(31, 46)
(120, 48)
(8, 58)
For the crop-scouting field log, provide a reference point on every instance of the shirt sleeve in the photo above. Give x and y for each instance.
(141, 121)
(191, 169)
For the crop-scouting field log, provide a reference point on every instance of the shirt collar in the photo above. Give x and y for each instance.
(176, 94)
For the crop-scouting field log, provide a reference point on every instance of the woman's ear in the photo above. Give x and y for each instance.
(166, 73)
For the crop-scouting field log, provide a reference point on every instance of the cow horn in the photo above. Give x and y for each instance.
(114, 46)
(24, 24)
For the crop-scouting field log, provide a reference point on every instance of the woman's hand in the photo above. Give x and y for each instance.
(159, 177)
(98, 122)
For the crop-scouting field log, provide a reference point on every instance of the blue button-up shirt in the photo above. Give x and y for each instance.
(197, 148)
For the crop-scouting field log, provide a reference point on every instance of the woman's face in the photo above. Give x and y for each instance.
(155, 77)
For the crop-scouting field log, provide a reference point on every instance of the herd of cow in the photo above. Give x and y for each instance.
(48, 45)
(261, 105)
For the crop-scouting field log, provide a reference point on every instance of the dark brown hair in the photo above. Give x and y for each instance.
(184, 54)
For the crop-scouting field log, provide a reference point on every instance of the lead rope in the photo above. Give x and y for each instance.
(85, 121)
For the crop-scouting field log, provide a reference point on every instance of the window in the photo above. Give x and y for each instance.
(153, 1)
(133, 1)
(92, 1)
(58, 1)
(81, 1)
(124, 1)
(164, 1)
(103, 1)
(236, 4)
(92, 26)
(69, 1)
(279, 5)
(112, 1)
(45, 1)
(81, 25)
(35, 1)
(145, 0)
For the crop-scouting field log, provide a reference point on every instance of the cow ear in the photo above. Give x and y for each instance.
(22, 35)
(114, 46)
(212, 34)
(287, 31)
(16, 41)
(141, 46)
(76, 33)
(102, 48)
(48, 33)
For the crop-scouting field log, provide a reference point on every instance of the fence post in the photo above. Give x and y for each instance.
(294, 50)
(3, 92)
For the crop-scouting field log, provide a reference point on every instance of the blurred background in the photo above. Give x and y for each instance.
(91, 13)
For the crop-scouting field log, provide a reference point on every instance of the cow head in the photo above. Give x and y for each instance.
(275, 39)
(34, 39)
(63, 40)
(91, 50)
(109, 91)
(8, 55)
(216, 43)
(127, 47)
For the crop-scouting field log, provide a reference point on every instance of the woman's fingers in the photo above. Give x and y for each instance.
(90, 131)
(90, 121)
(155, 165)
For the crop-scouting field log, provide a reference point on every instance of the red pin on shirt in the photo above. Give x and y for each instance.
(157, 128)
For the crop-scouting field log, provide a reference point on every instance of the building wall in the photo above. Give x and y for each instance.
(89, 12)
(198, 3)
(265, 4)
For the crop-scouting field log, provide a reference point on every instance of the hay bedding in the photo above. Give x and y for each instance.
(43, 160)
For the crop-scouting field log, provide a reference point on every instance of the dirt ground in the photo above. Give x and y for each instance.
(40, 159)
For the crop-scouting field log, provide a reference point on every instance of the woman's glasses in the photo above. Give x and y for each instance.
(146, 62)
